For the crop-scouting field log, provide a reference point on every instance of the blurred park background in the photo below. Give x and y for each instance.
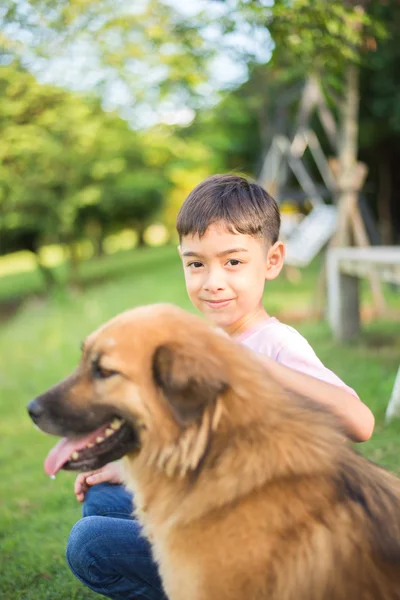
(110, 113)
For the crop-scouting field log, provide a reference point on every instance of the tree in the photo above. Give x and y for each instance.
(149, 50)
(380, 121)
(325, 38)
(65, 163)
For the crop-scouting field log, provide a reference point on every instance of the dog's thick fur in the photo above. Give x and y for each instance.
(246, 491)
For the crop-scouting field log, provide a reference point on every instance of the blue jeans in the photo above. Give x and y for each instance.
(106, 550)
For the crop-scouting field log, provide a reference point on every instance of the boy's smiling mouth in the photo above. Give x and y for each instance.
(218, 303)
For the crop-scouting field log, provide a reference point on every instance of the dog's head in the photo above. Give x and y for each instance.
(152, 373)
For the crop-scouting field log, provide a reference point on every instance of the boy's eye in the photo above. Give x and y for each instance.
(196, 264)
(233, 262)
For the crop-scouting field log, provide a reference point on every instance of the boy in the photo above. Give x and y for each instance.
(228, 229)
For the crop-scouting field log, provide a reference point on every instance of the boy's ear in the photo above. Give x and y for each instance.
(180, 250)
(275, 260)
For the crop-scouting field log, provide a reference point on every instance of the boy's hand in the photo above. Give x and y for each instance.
(110, 473)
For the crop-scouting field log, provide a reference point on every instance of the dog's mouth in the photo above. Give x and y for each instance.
(92, 451)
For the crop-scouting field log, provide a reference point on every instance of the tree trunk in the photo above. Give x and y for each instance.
(140, 233)
(98, 245)
(347, 156)
(95, 231)
(351, 228)
(48, 276)
(74, 264)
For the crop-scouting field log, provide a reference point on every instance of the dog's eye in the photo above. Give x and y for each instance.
(101, 372)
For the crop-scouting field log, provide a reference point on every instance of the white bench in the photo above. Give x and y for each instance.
(345, 267)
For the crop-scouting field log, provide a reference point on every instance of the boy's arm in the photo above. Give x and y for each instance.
(355, 416)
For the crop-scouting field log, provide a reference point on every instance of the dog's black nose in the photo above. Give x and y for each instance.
(35, 410)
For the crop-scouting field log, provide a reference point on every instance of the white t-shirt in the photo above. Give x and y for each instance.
(288, 347)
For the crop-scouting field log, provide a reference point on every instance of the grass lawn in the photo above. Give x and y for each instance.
(40, 345)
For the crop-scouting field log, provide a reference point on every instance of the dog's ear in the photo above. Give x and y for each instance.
(190, 381)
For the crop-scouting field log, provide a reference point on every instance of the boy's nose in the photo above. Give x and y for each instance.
(214, 284)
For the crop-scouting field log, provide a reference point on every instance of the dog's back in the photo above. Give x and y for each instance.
(370, 497)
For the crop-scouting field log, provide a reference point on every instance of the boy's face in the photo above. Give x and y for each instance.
(225, 274)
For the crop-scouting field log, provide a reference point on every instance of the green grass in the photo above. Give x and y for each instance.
(40, 345)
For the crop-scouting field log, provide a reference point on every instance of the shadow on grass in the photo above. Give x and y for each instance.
(377, 340)
(10, 307)
(92, 274)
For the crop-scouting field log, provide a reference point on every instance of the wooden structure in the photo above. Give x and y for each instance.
(345, 267)
(287, 154)
(342, 177)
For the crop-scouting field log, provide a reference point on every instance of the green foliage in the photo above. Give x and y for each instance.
(240, 127)
(380, 81)
(323, 34)
(65, 163)
(149, 45)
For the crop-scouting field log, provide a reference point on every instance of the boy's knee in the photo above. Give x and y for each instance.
(112, 558)
(78, 552)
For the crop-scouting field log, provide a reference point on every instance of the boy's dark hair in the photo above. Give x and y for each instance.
(244, 206)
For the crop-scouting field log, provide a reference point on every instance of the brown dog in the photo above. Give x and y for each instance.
(247, 492)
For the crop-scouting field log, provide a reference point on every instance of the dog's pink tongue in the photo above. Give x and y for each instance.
(62, 451)
(59, 455)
